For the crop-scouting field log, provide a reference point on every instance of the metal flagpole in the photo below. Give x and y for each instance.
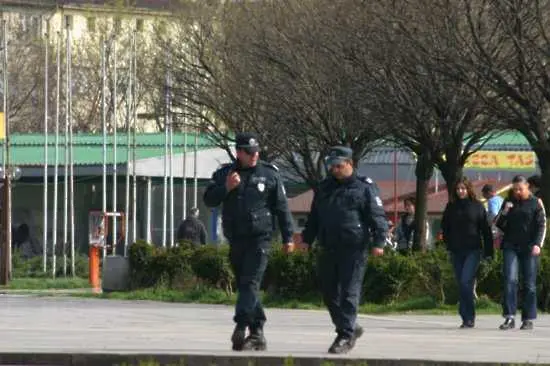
(6, 163)
(195, 180)
(184, 182)
(114, 232)
(66, 170)
(56, 154)
(45, 203)
(104, 128)
(149, 194)
(128, 137)
(170, 124)
(134, 109)
(165, 183)
(5, 261)
(71, 142)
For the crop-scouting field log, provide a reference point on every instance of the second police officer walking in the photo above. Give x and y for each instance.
(252, 194)
(346, 217)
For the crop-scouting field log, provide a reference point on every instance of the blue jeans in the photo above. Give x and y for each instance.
(465, 264)
(514, 261)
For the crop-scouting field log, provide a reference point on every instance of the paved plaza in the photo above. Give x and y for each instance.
(78, 326)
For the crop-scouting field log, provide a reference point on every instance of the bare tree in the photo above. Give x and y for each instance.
(270, 68)
(432, 111)
(507, 44)
(25, 75)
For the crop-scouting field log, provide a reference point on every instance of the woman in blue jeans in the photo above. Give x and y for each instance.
(468, 236)
(522, 220)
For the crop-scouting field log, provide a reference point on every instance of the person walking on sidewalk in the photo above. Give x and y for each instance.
(345, 214)
(523, 223)
(252, 194)
(467, 235)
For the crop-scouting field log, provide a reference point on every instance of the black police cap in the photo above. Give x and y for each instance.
(247, 141)
(338, 154)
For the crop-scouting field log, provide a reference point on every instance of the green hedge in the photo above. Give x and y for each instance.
(388, 279)
(33, 267)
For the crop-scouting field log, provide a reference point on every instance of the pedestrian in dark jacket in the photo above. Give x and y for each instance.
(347, 218)
(468, 236)
(251, 193)
(522, 220)
(192, 229)
(534, 185)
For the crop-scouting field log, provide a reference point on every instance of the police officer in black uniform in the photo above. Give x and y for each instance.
(252, 194)
(346, 216)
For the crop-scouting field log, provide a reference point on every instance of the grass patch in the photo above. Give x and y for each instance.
(198, 295)
(47, 283)
(204, 295)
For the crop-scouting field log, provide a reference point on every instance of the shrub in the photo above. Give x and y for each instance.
(388, 279)
(211, 265)
(291, 276)
(33, 267)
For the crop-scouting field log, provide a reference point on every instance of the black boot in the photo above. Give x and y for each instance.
(255, 341)
(342, 345)
(467, 324)
(527, 325)
(509, 323)
(238, 337)
(358, 332)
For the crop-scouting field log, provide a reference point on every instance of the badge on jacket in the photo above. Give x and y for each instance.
(261, 186)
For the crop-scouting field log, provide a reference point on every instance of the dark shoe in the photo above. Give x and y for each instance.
(526, 325)
(255, 341)
(358, 332)
(238, 338)
(509, 323)
(342, 345)
(468, 324)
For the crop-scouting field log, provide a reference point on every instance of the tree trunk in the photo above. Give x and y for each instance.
(451, 172)
(424, 172)
(544, 164)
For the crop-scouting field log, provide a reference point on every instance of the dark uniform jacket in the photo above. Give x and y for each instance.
(524, 225)
(249, 209)
(346, 213)
(465, 227)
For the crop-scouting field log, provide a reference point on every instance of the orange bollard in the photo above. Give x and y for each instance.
(94, 269)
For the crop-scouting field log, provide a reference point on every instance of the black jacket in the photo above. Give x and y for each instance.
(193, 230)
(346, 214)
(248, 210)
(465, 227)
(524, 225)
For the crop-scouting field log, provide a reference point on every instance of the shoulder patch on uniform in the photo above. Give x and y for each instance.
(270, 165)
(221, 166)
(368, 180)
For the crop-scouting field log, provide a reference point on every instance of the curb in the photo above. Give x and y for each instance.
(212, 360)
(53, 292)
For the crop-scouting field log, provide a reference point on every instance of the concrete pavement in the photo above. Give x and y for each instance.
(93, 331)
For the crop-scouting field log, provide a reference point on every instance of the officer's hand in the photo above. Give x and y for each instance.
(288, 247)
(535, 251)
(377, 252)
(302, 247)
(233, 180)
